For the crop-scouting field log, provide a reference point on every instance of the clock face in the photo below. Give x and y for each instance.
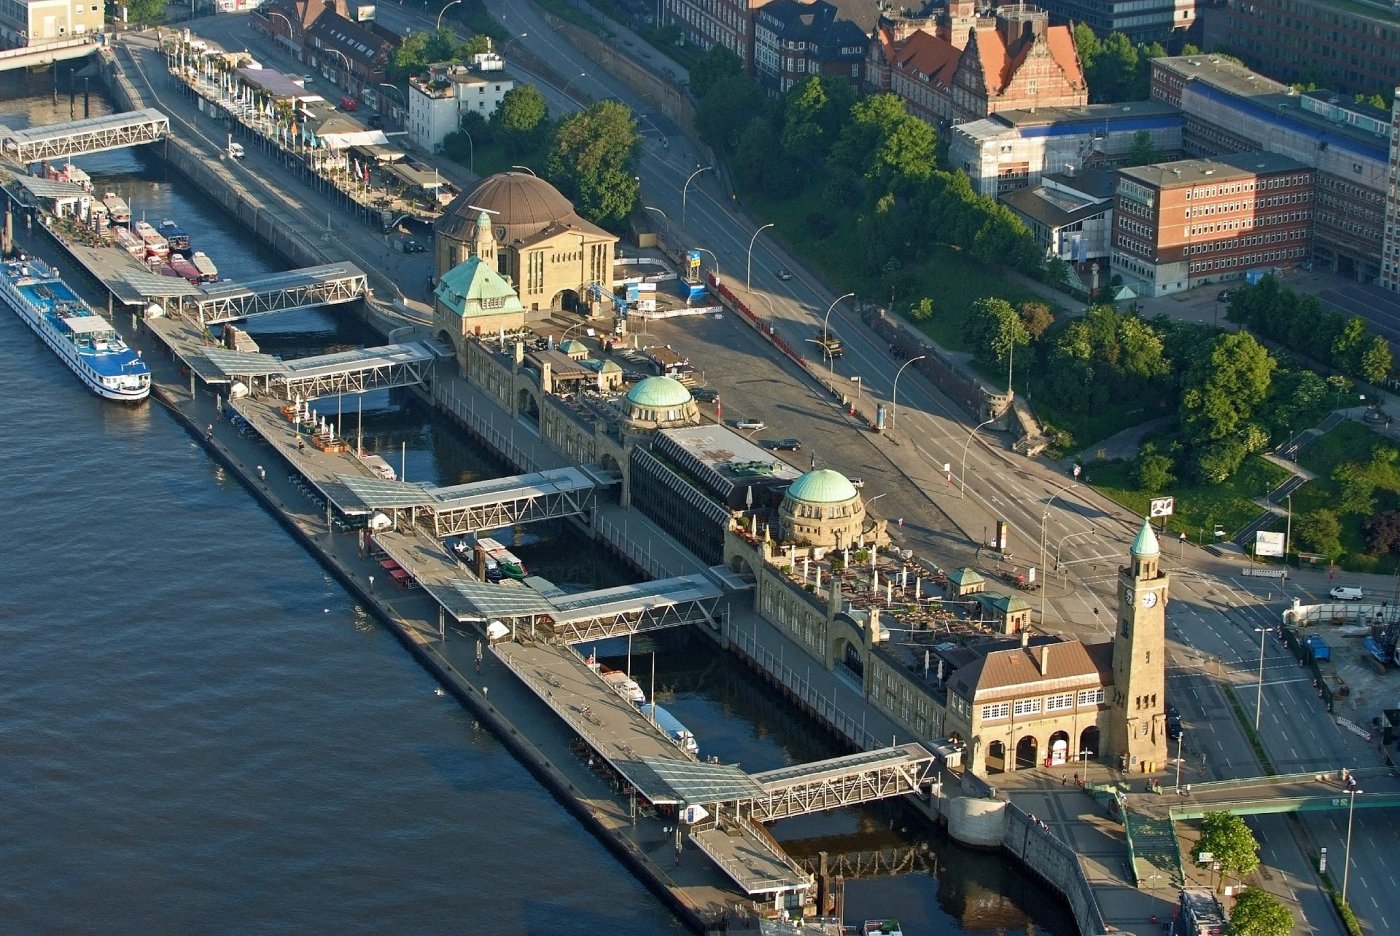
(1149, 599)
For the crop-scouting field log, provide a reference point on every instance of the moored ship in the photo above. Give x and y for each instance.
(174, 234)
(506, 560)
(185, 268)
(117, 209)
(208, 272)
(130, 242)
(156, 246)
(81, 338)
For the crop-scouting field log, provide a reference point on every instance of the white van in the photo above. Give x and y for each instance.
(235, 150)
(1347, 593)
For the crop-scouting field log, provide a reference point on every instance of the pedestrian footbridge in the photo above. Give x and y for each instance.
(305, 288)
(306, 379)
(95, 135)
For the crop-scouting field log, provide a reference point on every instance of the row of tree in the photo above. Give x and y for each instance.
(866, 154)
(1300, 324)
(1230, 844)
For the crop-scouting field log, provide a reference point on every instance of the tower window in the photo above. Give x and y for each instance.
(1127, 628)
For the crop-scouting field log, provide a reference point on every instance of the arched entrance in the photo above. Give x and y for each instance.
(1089, 741)
(996, 757)
(526, 405)
(1059, 748)
(853, 660)
(568, 300)
(1027, 752)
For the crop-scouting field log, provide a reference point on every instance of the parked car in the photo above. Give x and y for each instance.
(705, 395)
(750, 424)
(1223, 296)
(786, 445)
(1347, 593)
(857, 482)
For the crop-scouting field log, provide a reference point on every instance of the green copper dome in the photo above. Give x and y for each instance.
(658, 393)
(1146, 542)
(573, 346)
(822, 486)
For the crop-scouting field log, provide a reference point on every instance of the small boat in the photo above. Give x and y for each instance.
(509, 564)
(679, 734)
(130, 242)
(117, 208)
(72, 174)
(623, 685)
(174, 234)
(208, 273)
(185, 268)
(156, 246)
(381, 468)
(81, 338)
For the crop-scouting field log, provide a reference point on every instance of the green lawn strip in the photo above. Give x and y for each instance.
(1247, 726)
(1348, 442)
(1198, 508)
(572, 14)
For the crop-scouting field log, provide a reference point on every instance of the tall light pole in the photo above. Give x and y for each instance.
(686, 188)
(284, 19)
(526, 168)
(343, 57)
(826, 334)
(714, 258)
(511, 40)
(1346, 862)
(962, 472)
(894, 395)
(1259, 695)
(748, 273)
(1288, 533)
(444, 10)
(395, 88)
(568, 83)
(1044, 518)
(471, 151)
(1180, 739)
(658, 211)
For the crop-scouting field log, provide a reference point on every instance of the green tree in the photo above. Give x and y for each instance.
(1036, 317)
(1228, 838)
(724, 112)
(1376, 360)
(594, 160)
(519, 120)
(1223, 390)
(1259, 913)
(421, 49)
(996, 330)
(145, 11)
(1356, 490)
(922, 310)
(1142, 152)
(714, 67)
(1153, 470)
(1320, 531)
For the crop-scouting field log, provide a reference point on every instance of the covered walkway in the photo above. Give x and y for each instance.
(94, 135)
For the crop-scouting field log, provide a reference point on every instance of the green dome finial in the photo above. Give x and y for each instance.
(1146, 542)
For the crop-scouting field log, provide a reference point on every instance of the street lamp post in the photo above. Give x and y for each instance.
(398, 90)
(714, 258)
(1346, 861)
(748, 273)
(1180, 740)
(471, 151)
(826, 334)
(1259, 694)
(1044, 518)
(511, 40)
(894, 394)
(444, 10)
(570, 82)
(658, 211)
(284, 19)
(962, 472)
(686, 188)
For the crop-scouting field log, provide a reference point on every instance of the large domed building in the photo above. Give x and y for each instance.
(540, 245)
(823, 508)
(659, 403)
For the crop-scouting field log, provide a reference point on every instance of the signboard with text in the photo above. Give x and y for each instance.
(1268, 544)
(1162, 506)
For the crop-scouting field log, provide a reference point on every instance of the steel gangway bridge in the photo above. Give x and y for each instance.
(304, 288)
(307, 379)
(869, 862)
(80, 137)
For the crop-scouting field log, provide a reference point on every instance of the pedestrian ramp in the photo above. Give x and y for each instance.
(1153, 850)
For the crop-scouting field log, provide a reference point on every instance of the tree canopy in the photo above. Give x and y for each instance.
(1259, 913)
(1229, 840)
(594, 160)
(421, 49)
(519, 120)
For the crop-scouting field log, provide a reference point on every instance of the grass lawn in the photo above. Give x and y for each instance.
(1348, 442)
(1198, 508)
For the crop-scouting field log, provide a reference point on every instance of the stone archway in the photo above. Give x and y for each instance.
(1059, 748)
(1027, 752)
(526, 405)
(568, 300)
(996, 757)
(852, 658)
(1089, 741)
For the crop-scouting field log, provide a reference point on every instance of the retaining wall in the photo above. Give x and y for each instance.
(1051, 859)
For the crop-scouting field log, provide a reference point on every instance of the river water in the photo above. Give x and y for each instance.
(202, 733)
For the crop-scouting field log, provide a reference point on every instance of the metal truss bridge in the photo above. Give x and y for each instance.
(839, 782)
(305, 379)
(95, 135)
(306, 288)
(873, 863)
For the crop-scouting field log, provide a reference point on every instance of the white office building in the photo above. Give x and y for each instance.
(438, 100)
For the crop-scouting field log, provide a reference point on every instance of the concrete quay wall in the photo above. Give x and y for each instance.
(1051, 859)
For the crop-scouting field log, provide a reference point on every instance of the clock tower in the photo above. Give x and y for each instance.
(1137, 729)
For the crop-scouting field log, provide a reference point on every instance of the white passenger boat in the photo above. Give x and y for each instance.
(117, 209)
(81, 338)
(207, 271)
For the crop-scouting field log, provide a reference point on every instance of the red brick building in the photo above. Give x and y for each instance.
(1181, 224)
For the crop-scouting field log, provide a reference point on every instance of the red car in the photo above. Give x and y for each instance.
(348, 103)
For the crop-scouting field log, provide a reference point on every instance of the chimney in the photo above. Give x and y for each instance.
(1045, 660)
(1025, 637)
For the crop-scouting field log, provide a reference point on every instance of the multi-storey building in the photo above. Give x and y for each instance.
(1178, 225)
(439, 99)
(1070, 214)
(35, 22)
(1230, 109)
(1352, 47)
(793, 41)
(1390, 251)
(708, 23)
(1139, 20)
(352, 53)
(1012, 149)
(973, 65)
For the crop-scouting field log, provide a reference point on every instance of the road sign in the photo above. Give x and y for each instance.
(1077, 470)
(1162, 506)
(1268, 544)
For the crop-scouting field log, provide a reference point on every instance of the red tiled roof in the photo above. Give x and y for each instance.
(1006, 673)
(928, 56)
